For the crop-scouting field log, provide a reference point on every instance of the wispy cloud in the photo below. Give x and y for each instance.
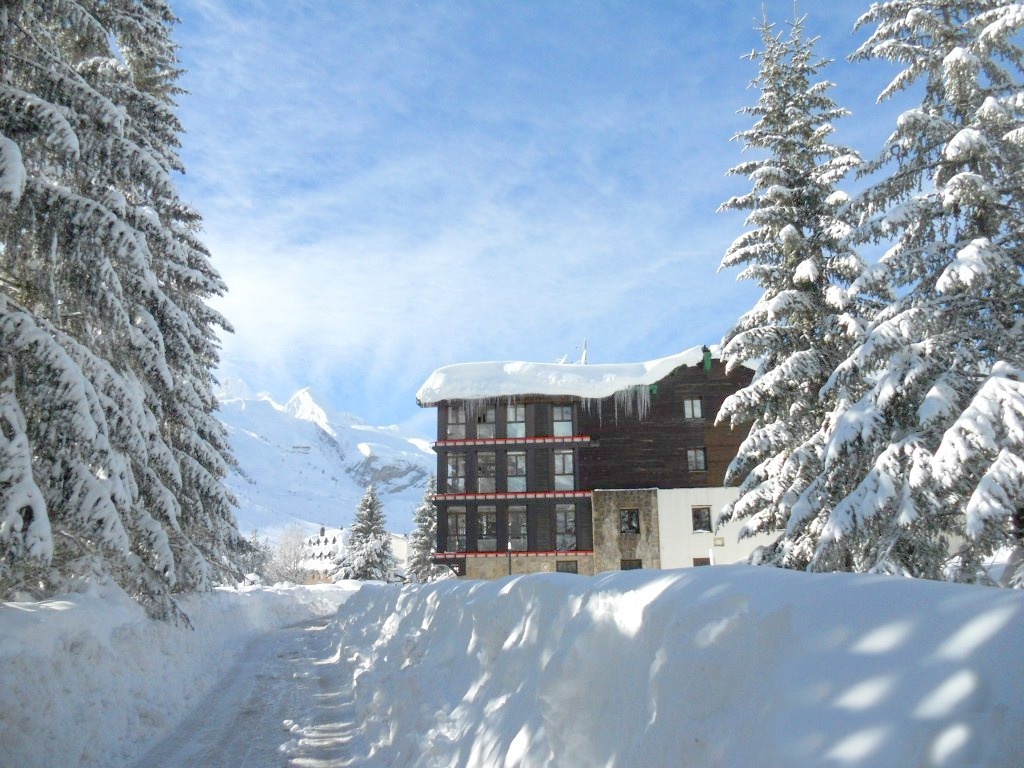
(391, 187)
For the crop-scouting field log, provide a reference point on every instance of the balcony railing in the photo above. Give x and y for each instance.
(540, 440)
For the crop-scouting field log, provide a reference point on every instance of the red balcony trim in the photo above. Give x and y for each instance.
(515, 553)
(473, 441)
(510, 496)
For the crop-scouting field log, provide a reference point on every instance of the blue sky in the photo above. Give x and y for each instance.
(389, 187)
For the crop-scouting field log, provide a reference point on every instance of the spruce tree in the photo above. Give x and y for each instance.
(799, 329)
(367, 554)
(423, 540)
(108, 348)
(924, 452)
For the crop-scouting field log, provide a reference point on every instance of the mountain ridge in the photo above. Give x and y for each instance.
(303, 463)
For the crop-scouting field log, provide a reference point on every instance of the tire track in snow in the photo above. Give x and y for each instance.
(287, 701)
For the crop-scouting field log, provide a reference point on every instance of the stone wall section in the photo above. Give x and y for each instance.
(611, 546)
(497, 567)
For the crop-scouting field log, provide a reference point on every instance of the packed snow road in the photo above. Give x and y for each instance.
(288, 701)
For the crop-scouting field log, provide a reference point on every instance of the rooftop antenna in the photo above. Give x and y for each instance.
(583, 357)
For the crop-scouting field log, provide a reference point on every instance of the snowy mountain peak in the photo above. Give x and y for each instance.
(303, 462)
(302, 405)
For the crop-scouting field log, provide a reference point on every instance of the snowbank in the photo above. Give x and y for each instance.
(477, 381)
(88, 680)
(725, 666)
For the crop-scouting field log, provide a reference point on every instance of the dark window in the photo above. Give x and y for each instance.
(630, 565)
(692, 409)
(566, 566)
(485, 421)
(629, 521)
(487, 534)
(456, 422)
(565, 527)
(516, 471)
(562, 418)
(696, 459)
(485, 472)
(698, 561)
(701, 519)
(565, 477)
(517, 528)
(456, 473)
(456, 529)
(515, 421)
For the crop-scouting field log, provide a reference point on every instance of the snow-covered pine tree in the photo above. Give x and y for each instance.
(925, 447)
(799, 329)
(367, 554)
(423, 539)
(108, 358)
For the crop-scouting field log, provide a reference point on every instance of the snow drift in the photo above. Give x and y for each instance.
(88, 680)
(726, 666)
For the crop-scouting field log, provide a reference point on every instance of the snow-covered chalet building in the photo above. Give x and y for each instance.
(583, 468)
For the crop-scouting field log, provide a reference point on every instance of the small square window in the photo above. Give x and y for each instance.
(629, 521)
(696, 459)
(692, 408)
(566, 566)
(701, 519)
(699, 561)
(630, 565)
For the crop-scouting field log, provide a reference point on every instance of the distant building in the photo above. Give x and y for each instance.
(583, 468)
(323, 551)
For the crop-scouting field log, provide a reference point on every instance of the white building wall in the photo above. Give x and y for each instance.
(681, 545)
(400, 549)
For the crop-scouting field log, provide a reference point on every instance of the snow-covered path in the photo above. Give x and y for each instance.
(286, 702)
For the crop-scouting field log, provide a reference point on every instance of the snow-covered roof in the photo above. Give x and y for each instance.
(477, 381)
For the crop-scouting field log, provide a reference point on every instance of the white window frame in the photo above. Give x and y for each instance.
(697, 459)
(693, 408)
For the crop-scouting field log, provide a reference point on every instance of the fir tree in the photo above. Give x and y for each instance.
(107, 345)
(924, 451)
(799, 329)
(367, 554)
(423, 540)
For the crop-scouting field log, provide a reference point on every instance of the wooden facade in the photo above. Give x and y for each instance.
(672, 442)
(652, 452)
